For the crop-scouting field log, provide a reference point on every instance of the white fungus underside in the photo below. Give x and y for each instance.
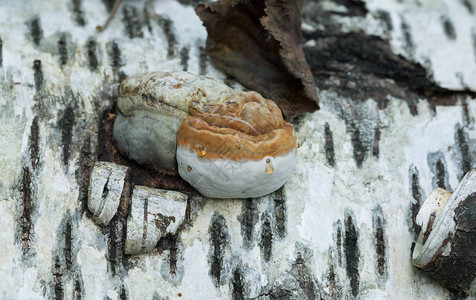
(225, 178)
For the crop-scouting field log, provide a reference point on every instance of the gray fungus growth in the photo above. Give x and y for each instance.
(225, 143)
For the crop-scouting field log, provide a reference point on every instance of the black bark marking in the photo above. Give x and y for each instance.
(304, 278)
(280, 214)
(184, 57)
(332, 282)
(170, 243)
(117, 229)
(448, 28)
(188, 211)
(359, 149)
(457, 295)
(123, 295)
(173, 254)
(1, 52)
(105, 189)
(115, 241)
(468, 6)
(248, 221)
(266, 243)
(86, 162)
(166, 25)
(338, 227)
(144, 224)
(218, 242)
(372, 63)
(147, 19)
(35, 31)
(352, 255)
(162, 222)
(334, 285)
(114, 53)
(437, 164)
(386, 18)
(68, 242)
(358, 66)
(132, 22)
(26, 210)
(78, 14)
(38, 75)
(238, 285)
(417, 200)
(355, 8)
(58, 280)
(440, 174)
(191, 2)
(66, 124)
(34, 143)
(466, 117)
(203, 61)
(407, 36)
(375, 146)
(429, 227)
(62, 50)
(329, 145)
(92, 56)
(462, 145)
(380, 246)
(77, 290)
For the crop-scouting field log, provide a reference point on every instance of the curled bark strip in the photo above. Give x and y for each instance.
(259, 43)
(445, 247)
(154, 214)
(105, 189)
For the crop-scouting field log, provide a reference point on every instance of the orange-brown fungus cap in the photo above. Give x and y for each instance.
(245, 126)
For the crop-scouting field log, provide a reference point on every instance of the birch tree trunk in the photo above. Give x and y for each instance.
(341, 227)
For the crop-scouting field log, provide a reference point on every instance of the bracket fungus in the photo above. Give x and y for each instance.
(231, 144)
(446, 246)
(238, 149)
(151, 108)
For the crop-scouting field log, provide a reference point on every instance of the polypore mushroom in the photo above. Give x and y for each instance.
(151, 108)
(232, 144)
(238, 149)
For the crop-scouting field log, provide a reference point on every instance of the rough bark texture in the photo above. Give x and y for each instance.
(458, 270)
(341, 227)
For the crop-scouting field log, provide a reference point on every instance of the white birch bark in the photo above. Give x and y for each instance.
(335, 231)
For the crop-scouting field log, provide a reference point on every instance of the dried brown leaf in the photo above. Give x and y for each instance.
(259, 43)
